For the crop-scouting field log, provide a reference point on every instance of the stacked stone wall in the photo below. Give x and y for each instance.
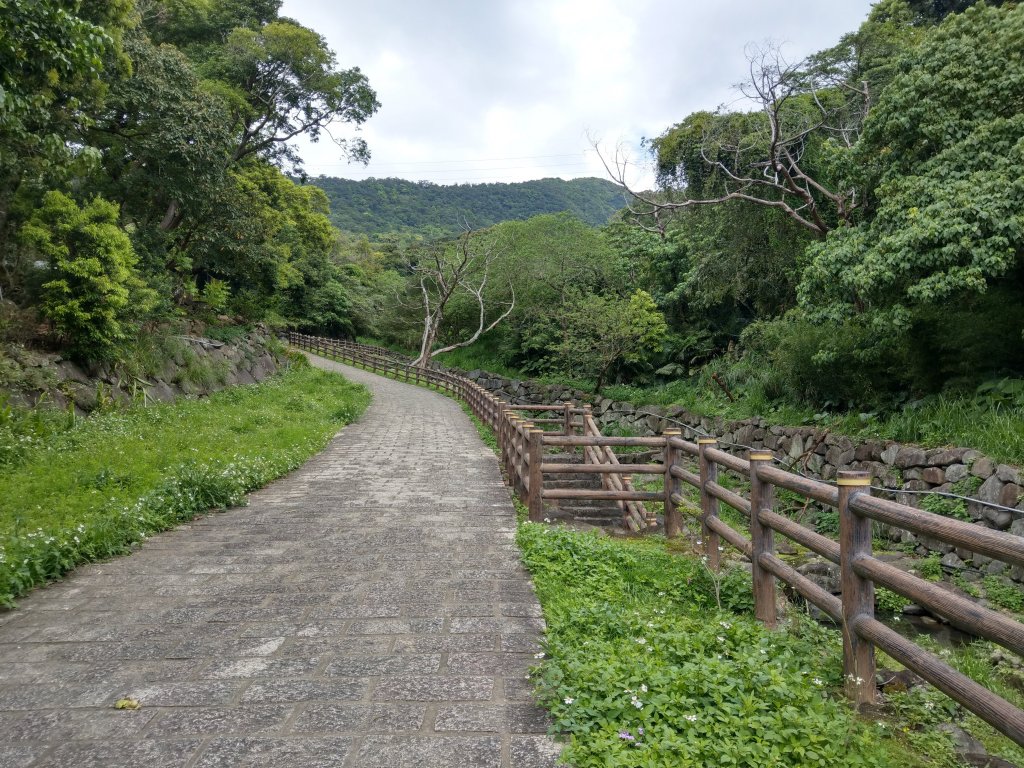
(907, 470)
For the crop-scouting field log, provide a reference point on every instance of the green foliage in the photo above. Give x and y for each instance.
(86, 489)
(174, 111)
(944, 153)
(1004, 593)
(93, 291)
(643, 670)
(930, 567)
(888, 601)
(600, 331)
(379, 206)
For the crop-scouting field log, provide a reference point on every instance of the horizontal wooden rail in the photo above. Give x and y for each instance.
(605, 469)
(522, 445)
(588, 494)
(598, 440)
(998, 545)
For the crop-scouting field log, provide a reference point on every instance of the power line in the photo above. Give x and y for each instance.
(473, 160)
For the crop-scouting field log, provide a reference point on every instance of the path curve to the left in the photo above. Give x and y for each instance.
(369, 609)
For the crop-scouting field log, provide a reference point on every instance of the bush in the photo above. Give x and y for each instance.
(93, 293)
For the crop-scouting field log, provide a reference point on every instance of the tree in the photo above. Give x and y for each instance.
(944, 152)
(600, 331)
(93, 292)
(766, 157)
(448, 269)
(284, 82)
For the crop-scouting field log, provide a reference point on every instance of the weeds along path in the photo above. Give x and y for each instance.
(369, 609)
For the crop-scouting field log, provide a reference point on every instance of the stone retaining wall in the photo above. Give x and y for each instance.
(198, 367)
(820, 453)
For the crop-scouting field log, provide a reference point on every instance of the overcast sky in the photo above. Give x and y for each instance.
(509, 90)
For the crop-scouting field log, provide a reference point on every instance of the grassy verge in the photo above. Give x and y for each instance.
(655, 661)
(77, 490)
(994, 427)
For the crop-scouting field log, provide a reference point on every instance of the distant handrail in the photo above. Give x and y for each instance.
(522, 448)
(518, 437)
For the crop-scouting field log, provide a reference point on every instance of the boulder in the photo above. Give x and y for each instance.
(956, 472)
(909, 456)
(983, 467)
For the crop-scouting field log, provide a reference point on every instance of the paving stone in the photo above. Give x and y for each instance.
(392, 664)
(429, 752)
(199, 721)
(62, 725)
(20, 755)
(535, 752)
(517, 718)
(369, 609)
(305, 690)
(253, 752)
(434, 688)
(120, 754)
(261, 667)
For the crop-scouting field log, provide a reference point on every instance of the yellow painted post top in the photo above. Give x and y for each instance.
(672, 432)
(853, 479)
(707, 441)
(762, 456)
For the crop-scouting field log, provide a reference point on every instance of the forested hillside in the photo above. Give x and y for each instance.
(376, 206)
(849, 236)
(142, 144)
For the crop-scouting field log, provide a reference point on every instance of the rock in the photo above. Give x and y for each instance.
(868, 451)
(996, 567)
(839, 456)
(1008, 474)
(990, 490)
(951, 561)
(1009, 495)
(933, 475)
(908, 456)
(796, 446)
(956, 472)
(822, 573)
(888, 456)
(913, 609)
(940, 457)
(999, 518)
(983, 467)
(963, 742)
(160, 391)
(1017, 527)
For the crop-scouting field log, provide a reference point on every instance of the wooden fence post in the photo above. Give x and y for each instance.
(858, 592)
(673, 520)
(708, 503)
(762, 498)
(534, 501)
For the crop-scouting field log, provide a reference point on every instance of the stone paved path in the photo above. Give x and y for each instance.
(367, 610)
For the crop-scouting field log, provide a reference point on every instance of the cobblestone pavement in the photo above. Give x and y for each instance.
(370, 609)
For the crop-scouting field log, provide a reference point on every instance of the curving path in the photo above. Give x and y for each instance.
(369, 610)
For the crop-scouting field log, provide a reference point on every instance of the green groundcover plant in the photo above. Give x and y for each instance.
(78, 490)
(645, 669)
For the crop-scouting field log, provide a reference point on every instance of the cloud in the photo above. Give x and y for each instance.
(510, 90)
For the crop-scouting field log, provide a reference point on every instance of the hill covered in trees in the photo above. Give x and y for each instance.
(375, 206)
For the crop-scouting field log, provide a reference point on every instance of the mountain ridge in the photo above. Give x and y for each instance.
(376, 206)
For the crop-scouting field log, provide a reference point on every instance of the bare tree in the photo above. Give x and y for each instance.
(766, 165)
(446, 272)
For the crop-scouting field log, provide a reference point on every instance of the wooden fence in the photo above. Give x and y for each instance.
(523, 444)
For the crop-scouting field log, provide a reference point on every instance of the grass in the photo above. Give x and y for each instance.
(74, 490)
(653, 660)
(994, 428)
(645, 666)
